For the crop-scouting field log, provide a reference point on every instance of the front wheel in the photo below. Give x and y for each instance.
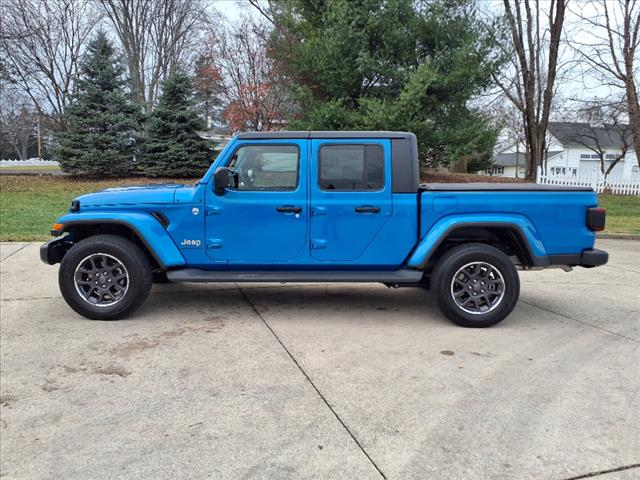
(476, 285)
(105, 277)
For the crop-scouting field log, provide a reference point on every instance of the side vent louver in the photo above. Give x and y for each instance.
(162, 218)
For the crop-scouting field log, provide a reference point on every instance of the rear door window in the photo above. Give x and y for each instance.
(351, 167)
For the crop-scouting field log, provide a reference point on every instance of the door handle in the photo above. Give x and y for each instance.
(367, 209)
(289, 209)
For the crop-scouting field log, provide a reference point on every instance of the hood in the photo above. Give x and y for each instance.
(133, 195)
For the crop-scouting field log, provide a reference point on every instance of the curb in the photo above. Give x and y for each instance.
(618, 236)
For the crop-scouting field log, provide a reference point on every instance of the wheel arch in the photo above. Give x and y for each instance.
(145, 230)
(81, 230)
(512, 237)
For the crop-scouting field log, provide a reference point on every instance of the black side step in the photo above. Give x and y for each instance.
(196, 275)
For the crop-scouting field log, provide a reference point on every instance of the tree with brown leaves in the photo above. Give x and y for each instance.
(254, 93)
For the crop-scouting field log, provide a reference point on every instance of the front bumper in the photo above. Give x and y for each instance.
(53, 251)
(593, 258)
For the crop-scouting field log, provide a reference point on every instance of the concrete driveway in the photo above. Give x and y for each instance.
(322, 381)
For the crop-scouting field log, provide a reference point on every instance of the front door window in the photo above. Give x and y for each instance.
(266, 167)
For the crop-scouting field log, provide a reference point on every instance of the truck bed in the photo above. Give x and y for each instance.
(499, 187)
(552, 216)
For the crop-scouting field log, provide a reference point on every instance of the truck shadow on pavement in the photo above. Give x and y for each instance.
(297, 302)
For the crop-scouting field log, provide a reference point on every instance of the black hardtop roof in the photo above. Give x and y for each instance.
(321, 134)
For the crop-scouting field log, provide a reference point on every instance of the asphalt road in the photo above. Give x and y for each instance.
(322, 381)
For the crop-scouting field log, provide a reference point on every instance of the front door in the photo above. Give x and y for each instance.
(262, 219)
(350, 196)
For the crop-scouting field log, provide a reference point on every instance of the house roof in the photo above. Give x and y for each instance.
(221, 131)
(576, 134)
(509, 159)
(216, 133)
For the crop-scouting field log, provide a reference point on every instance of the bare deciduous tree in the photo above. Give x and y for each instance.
(40, 46)
(612, 48)
(255, 96)
(157, 37)
(264, 10)
(604, 128)
(17, 122)
(534, 33)
(508, 119)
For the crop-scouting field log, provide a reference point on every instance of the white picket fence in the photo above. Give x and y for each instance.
(615, 185)
(32, 162)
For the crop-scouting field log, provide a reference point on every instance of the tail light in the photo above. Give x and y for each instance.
(596, 218)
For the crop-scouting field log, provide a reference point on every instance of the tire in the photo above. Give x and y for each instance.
(476, 285)
(116, 261)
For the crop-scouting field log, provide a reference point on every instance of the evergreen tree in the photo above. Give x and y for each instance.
(388, 65)
(172, 147)
(101, 120)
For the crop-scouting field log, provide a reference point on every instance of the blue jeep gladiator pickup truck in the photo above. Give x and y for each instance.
(322, 207)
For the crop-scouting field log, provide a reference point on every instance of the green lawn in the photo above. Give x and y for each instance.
(29, 168)
(30, 204)
(623, 213)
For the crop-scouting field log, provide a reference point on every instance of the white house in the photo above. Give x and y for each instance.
(574, 150)
(511, 163)
(582, 145)
(219, 135)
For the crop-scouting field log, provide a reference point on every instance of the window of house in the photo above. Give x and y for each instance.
(610, 156)
(585, 156)
(498, 170)
(266, 167)
(351, 167)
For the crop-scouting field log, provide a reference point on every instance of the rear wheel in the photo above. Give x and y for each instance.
(105, 277)
(477, 285)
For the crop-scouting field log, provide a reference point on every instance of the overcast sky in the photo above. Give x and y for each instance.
(233, 9)
(575, 81)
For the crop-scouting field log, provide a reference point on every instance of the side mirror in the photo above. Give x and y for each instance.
(223, 177)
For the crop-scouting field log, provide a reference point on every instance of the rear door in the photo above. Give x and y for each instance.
(350, 185)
